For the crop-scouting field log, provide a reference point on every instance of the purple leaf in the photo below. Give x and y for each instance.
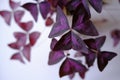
(115, 34)
(90, 58)
(27, 26)
(53, 43)
(17, 56)
(13, 4)
(72, 5)
(49, 21)
(32, 8)
(70, 66)
(44, 8)
(71, 76)
(61, 24)
(86, 28)
(27, 51)
(96, 43)
(103, 59)
(96, 4)
(18, 15)
(6, 16)
(33, 37)
(71, 40)
(55, 57)
(85, 4)
(19, 35)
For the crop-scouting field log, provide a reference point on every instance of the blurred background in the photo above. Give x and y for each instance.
(38, 69)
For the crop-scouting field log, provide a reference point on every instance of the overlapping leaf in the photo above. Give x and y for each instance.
(71, 41)
(55, 56)
(13, 4)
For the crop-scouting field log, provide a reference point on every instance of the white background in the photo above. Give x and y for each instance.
(38, 68)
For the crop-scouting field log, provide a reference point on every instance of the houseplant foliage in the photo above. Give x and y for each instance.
(63, 36)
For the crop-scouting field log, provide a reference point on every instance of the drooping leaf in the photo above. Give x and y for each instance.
(96, 43)
(33, 37)
(27, 51)
(86, 28)
(6, 16)
(70, 66)
(44, 8)
(17, 56)
(115, 34)
(27, 26)
(18, 15)
(55, 57)
(96, 4)
(13, 4)
(71, 40)
(32, 8)
(103, 58)
(90, 58)
(49, 21)
(61, 24)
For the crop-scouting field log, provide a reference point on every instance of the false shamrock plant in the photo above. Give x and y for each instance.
(70, 39)
(68, 36)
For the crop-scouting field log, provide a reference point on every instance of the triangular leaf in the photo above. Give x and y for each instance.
(70, 66)
(17, 56)
(13, 4)
(61, 24)
(18, 15)
(6, 16)
(55, 57)
(96, 43)
(44, 8)
(27, 26)
(96, 4)
(27, 52)
(86, 28)
(33, 37)
(103, 59)
(49, 21)
(32, 8)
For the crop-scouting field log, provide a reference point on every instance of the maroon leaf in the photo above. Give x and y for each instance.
(14, 45)
(27, 51)
(33, 37)
(103, 59)
(71, 40)
(32, 8)
(17, 56)
(55, 57)
(27, 26)
(115, 34)
(96, 4)
(49, 21)
(6, 16)
(61, 24)
(96, 43)
(44, 8)
(86, 28)
(70, 66)
(13, 4)
(18, 15)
